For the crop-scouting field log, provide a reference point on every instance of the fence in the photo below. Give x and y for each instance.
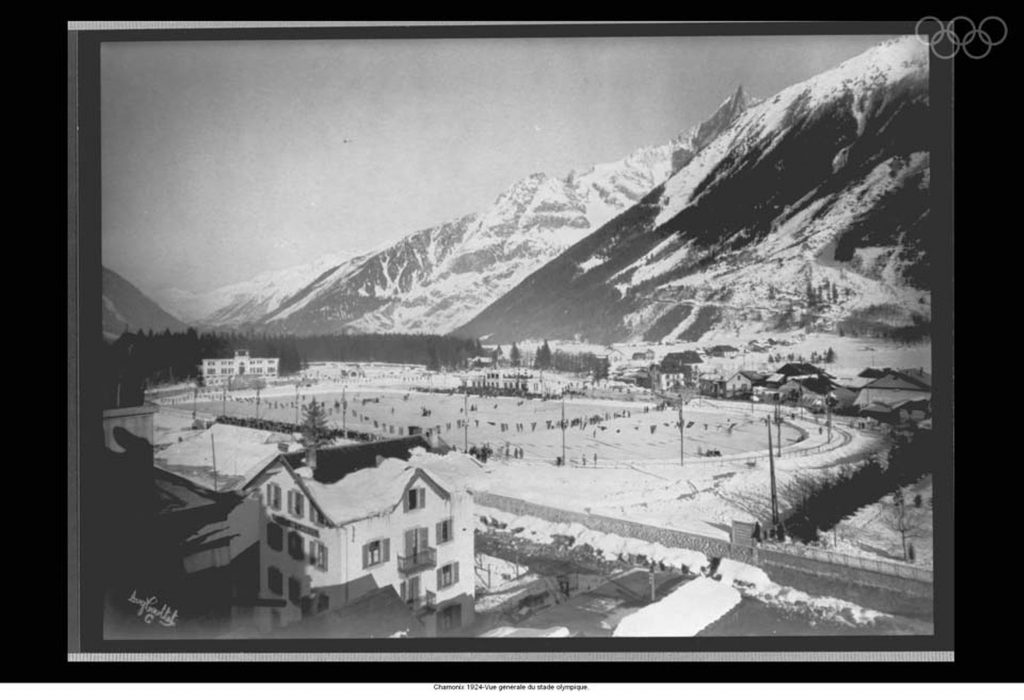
(905, 571)
(893, 576)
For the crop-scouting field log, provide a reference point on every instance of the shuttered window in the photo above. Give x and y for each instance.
(415, 499)
(448, 575)
(376, 552)
(275, 582)
(274, 496)
(275, 537)
(318, 554)
(444, 531)
(295, 546)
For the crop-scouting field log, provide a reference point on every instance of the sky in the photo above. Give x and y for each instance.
(222, 160)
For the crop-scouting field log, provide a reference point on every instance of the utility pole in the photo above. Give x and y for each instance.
(465, 417)
(257, 402)
(213, 449)
(681, 428)
(771, 466)
(224, 402)
(563, 426)
(195, 395)
(778, 434)
(829, 400)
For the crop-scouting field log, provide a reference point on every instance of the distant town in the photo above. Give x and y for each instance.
(506, 497)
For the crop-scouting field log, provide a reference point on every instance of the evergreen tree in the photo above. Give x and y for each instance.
(433, 362)
(543, 360)
(830, 356)
(514, 355)
(314, 424)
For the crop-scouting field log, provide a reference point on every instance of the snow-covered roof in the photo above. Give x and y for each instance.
(238, 449)
(682, 613)
(368, 492)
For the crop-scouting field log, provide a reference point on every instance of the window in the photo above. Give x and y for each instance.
(294, 590)
(448, 575)
(445, 533)
(296, 503)
(316, 517)
(409, 590)
(376, 552)
(415, 498)
(274, 496)
(275, 537)
(275, 582)
(295, 546)
(450, 617)
(318, 554)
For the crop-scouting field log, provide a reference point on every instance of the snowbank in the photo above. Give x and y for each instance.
(527, 632)
(611, 546)
(683, 613)
(754, 582)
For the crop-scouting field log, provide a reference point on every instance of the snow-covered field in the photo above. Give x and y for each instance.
(626, 433)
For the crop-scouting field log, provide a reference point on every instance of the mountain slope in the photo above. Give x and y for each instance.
(244, 302)
(439, 278)
(126, 308)
(811, 209)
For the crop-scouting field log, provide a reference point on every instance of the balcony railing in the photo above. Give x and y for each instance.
(424, 603)
(424, 559)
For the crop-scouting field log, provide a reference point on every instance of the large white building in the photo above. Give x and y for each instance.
(241, 368)
(521, 381)
(326, 544)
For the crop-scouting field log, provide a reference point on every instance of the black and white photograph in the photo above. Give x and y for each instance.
(406, 337)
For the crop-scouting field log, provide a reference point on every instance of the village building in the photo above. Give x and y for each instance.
(676, 370)
(896, 396)
(238, 371)
(644, 356)
(193, 550)
(813, 393)
(519, 382)
(723, 351)
(334, 532)
(740, 384)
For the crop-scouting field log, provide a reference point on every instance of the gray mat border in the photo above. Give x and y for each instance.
(700, 657)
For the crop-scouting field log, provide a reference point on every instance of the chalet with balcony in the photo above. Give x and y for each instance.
(334, 531)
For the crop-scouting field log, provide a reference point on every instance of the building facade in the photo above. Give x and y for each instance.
(240, 368)
(327, 545)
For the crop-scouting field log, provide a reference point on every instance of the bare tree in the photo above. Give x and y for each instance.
(909, 522)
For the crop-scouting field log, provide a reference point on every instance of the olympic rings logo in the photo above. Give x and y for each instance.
(946, 42)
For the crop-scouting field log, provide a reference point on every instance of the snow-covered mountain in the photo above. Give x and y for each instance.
(248, 301)
(439, 278)
(810, 209)
(125, 308)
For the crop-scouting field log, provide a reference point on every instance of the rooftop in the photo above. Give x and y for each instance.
(368, 492)
(335, 463)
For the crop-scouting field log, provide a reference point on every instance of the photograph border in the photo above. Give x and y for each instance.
(84, 342)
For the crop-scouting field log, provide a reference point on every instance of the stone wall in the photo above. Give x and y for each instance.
(781, 566)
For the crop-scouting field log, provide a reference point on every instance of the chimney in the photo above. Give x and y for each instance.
(311, 457)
